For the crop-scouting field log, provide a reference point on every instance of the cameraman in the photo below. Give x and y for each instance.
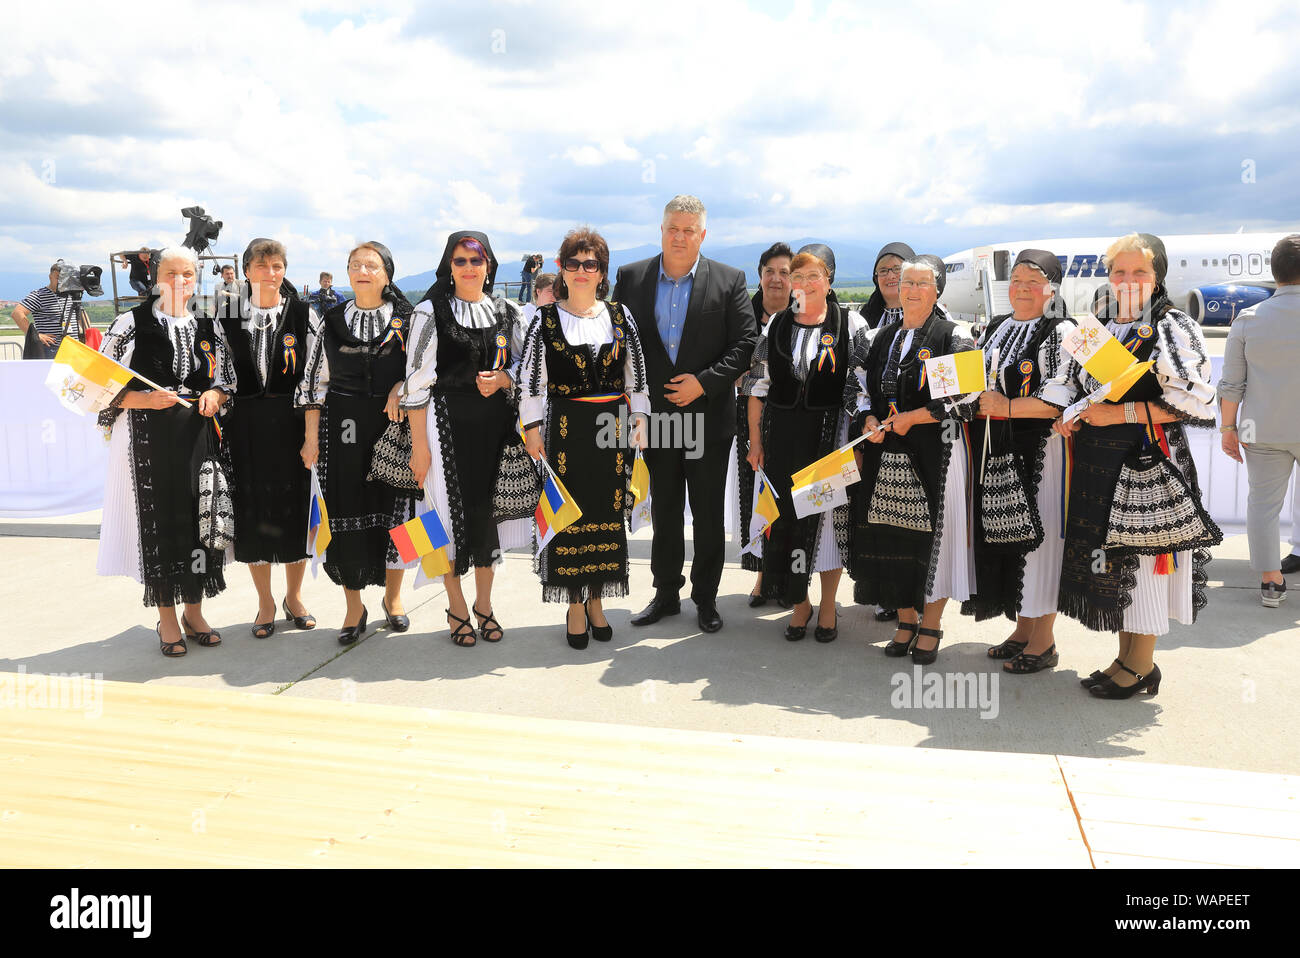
(532, 266)
(138, 264)
(327, 297)
(51, 315)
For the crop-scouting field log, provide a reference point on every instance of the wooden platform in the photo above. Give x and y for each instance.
(168, 776)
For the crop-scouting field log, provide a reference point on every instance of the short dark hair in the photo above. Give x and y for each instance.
(329, 276)
(583, 239)
(544, 281)
(1286, 259)
(776, 249)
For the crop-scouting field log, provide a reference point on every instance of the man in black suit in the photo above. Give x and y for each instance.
(698, 333)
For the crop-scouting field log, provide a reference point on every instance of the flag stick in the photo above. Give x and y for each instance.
(984, 453)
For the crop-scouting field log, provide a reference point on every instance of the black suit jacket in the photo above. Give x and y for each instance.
(718, 338)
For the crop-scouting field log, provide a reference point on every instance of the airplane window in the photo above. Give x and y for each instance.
(1184, 262)
(1216, 262)
(1205, 262)
(1268, 260)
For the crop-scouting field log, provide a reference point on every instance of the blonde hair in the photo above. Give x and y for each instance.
(1130, 243)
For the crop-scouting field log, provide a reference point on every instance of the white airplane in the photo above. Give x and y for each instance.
(1212, 276)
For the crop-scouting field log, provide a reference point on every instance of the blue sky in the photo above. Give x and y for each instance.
(946, 125)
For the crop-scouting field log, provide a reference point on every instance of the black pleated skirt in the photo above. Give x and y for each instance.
(270, 486)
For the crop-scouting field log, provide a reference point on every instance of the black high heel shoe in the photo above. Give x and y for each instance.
(1097, 676)
(577, 640)
(398, 623)
(307, 621)
(263, 630)
(601, 633)
(1108, 688)
(173, 650)
(927, 656)
(793, 633)
(463, 634)
(828, 635)
(353, 632)
(896, 650)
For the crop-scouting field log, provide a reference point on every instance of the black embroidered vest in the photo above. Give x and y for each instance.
(1026, 364)
(1143, 334)
(359, 368)
(154, 358)
(573, 371)
(464, 353)
(934, 338)
(288, 352)
(824, 386)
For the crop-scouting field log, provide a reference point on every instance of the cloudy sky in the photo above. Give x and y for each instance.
(945, 124)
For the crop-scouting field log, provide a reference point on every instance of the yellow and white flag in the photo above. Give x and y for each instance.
(956, 373)
(83, 380)
(763, 514)
(640, 489)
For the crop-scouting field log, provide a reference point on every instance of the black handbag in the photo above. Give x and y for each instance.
(518, 485)
(390, 461)
(1008, 516)
(1155, 509)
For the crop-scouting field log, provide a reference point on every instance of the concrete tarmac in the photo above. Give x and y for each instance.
(1228, 699)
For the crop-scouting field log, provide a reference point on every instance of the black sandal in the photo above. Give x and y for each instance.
(263, 630)
(897, 650)
(1026, 662)
(1007, 649)
(207, 639)
(169, 648)
(305, 621)
(463, 634)
(485, 629)
(926, 656)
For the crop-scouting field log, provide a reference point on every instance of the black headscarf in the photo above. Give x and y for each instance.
(940, 269)
(827, 256)
(875, 307)
(1046, 262)
(287, 290)
(444, 283)
(401, 305)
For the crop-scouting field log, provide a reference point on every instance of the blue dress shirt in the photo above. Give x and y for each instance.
(672, 297)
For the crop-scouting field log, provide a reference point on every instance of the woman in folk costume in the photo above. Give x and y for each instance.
(270, 487)
(882, 308)
(356, 363)
(911, 549)
(801, 389)
(151, 524)
(772, 297)
(1018, 498)
(465, 343)
(1159, 535)
(583, 372)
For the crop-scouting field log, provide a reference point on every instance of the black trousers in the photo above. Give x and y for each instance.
(672, 478)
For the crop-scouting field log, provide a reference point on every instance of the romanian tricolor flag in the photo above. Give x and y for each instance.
(556, 509)
(764, 513)
(419, 537)
(83, 380)
(318, 525)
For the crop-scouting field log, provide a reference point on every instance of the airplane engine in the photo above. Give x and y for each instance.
(1220, 305)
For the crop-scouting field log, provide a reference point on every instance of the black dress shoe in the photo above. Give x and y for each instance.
(707, 615)
(353, 632)
(756, 600)
(886, 615)
(659, 607)
(1290, 565)
(398, 623)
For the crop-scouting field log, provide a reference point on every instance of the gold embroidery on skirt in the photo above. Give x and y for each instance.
(561, 462)
(564, 427)
(618, 463)
(596, 527)
(588, 569)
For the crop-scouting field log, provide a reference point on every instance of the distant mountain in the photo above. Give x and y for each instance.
(853, 262)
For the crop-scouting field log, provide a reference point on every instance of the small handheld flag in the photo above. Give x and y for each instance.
(763, 514)
(640, 489)
(318, 525)
(556, 509)
(420, 536)
(955, 373)
(83, 380)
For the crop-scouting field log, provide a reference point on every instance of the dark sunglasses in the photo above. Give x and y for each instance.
(573, 264)
(462, 261)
